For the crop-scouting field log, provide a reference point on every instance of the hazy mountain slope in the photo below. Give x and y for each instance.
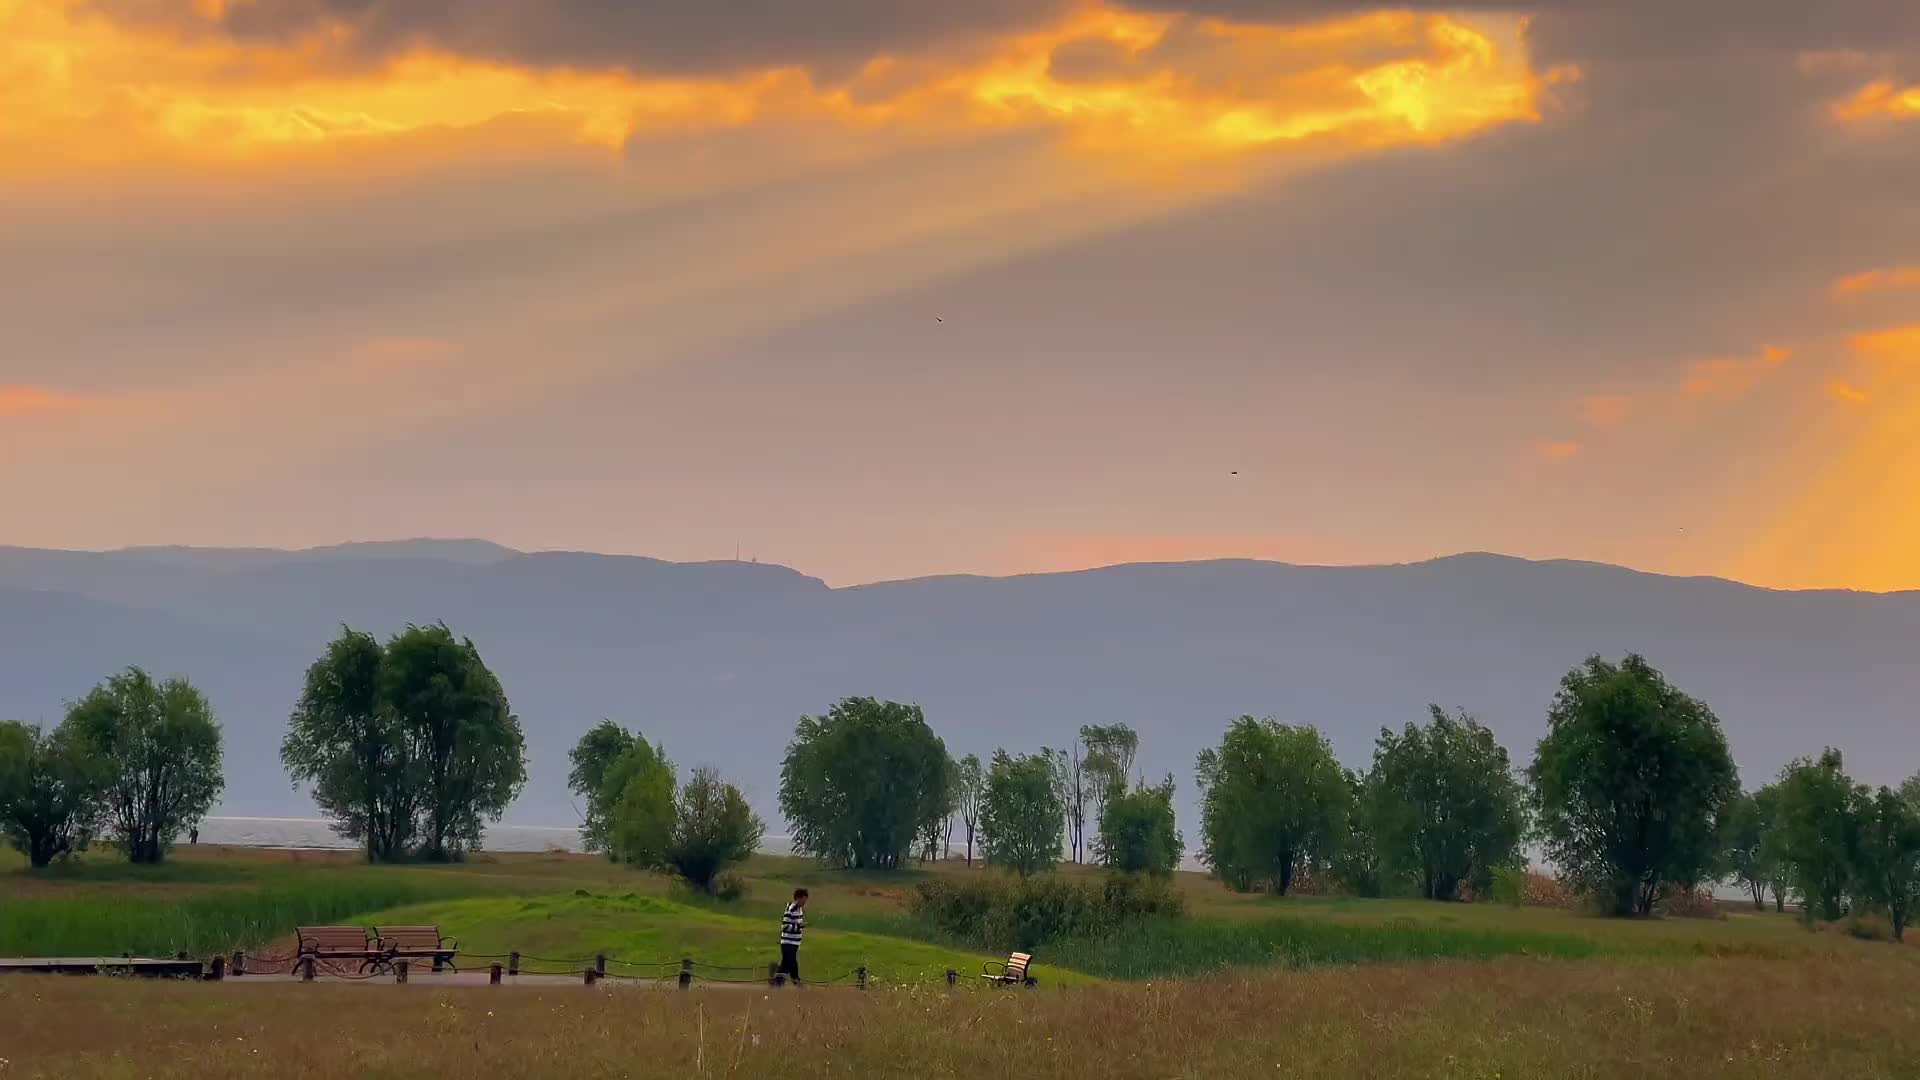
(718, 659)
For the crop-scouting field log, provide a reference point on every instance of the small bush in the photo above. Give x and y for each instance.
(729, 887)
(1867, 927)
(1023, 913)
(1682, 903)
(1509, 886)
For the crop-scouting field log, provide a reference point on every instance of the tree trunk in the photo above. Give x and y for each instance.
(969, 845)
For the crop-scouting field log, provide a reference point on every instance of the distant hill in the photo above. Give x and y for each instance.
(719, 659)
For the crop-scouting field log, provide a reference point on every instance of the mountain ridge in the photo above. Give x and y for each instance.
(719, 658)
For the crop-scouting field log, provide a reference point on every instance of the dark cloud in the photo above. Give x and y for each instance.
(1566, 30)
(647, 35)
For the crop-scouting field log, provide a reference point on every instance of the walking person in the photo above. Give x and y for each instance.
(792, 925)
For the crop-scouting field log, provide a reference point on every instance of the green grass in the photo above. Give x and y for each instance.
(566, 931)
(1168, 947)
(100, 924)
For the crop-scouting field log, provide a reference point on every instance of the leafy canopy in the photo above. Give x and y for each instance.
(1444, 805)
(1138, 831)
(1021, 813)
(161, 744)
(858, 784)
(50, 787)
(1629, 783)
(1272, 798)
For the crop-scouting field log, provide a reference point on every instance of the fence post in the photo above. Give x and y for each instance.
(400, 971)
(600, 964)
(239, 965)
(590, 975)
(304, 966)
(686, 973)
(493, 973)
(953, 978)
(863, 978)
(773, 973)
(513, 964)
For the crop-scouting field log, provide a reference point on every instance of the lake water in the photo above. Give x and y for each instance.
(315, 833)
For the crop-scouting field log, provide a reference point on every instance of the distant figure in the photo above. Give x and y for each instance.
(193, 835)
(792, 925)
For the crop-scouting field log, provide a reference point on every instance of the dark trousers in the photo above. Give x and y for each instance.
(790, 961)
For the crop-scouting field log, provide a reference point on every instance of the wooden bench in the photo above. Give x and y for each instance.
(323, 944)
(1015, 972)
(415, 943)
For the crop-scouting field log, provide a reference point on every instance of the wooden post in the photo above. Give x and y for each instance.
(513, 964)
(493, 973)
(590, 975)
(239, 966)
(686, 973)
(600, 964)
(304, 966)
(863, 978)
(218, 970)
(953, 978)
(400, 971)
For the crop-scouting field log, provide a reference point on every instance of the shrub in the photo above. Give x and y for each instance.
(1509, 885)
(1024, 913)
(1683, 903)
(1867, 927)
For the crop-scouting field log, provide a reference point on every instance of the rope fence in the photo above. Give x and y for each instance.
(590, 970)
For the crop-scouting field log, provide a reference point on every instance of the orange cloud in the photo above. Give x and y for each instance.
(1880, 99)
(1896, 346)
(1557, 450)
(1885, 279)
(39, 400)
(1605, 410)
(1732, 377)
(1842, 390)
(404, 352)
(79, 90)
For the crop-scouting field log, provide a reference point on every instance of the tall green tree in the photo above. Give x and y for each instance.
(1773, 859)
(937, 816)
(637, 791)
(970, 782)
(161, 745)
(1021, 812)
(856, 783)
(1358, 866)
(1746, 854)
(1819, 830)
(1445, 805)
(1110, 750)
(50, 788)
(1629, 783)
(1272, 799)
(345, 742)
(1887, 859)
(466, 745)
(592, 758)
(1138, 832)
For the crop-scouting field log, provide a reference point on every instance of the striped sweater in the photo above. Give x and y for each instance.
(792, 925)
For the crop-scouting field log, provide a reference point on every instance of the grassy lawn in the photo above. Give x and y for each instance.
(1825, 1016)
(654, 933)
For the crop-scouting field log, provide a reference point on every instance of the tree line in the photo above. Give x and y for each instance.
(410, 746)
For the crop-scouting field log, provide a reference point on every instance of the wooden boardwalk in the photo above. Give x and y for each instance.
(102, 965)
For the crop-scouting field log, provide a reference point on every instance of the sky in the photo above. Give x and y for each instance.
(880, 290)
